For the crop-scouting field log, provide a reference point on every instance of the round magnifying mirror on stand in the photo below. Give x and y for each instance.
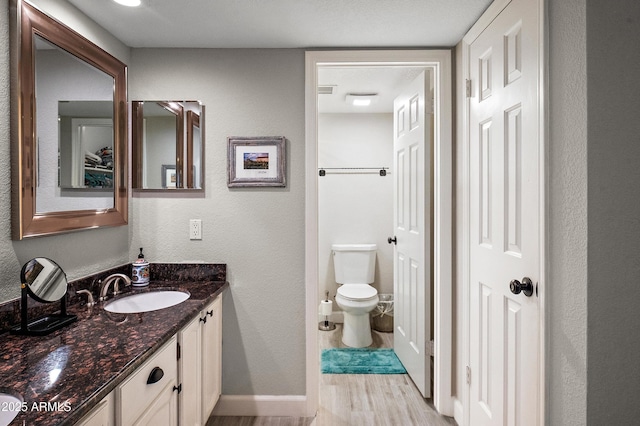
(43, 280)
(46, 282)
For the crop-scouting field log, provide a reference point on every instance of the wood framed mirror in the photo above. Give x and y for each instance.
(53, 67)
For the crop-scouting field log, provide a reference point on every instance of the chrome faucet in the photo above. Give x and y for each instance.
(115, 279)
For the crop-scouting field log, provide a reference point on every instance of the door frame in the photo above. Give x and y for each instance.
(441, 61)
(462, 408)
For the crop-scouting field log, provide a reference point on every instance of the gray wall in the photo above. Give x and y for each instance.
(567, 222)
(613, 135)
(355, 207)
(259, 233)
(594, 206)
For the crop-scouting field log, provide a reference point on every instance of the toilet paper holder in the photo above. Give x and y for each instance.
(326, 307)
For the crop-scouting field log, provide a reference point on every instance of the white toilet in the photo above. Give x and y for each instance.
(355, 270)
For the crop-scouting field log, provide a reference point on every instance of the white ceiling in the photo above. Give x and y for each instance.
(297, 24)
(387, 82)
(286, 23)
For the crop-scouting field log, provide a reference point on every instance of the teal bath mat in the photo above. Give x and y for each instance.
(360, 361)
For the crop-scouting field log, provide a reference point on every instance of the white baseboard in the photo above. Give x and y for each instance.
(261, 405)
(458, 411)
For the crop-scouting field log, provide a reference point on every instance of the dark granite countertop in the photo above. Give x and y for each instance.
(63, 375)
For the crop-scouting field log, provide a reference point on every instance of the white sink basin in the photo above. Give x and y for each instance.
(145, 302)
(10, 406)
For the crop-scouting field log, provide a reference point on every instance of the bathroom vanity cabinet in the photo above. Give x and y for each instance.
(185, 372)
(103, 360)
(200, 366)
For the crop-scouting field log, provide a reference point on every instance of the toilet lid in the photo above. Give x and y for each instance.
(357, 291)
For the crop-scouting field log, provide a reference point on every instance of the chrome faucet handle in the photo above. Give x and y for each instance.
(116, 284)
(103, 289)
(90, 301)
(122, 277)
(115, 279)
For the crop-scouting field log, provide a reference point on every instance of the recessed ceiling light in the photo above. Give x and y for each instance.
(361, 102)
(130, 3)
(361, 99)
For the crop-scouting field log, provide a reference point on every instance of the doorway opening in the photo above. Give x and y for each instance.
(438, 62)
(355, 167)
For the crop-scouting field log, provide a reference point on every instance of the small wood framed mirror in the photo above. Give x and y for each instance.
(167, 147)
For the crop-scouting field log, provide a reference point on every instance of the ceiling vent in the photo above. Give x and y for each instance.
(326, 89)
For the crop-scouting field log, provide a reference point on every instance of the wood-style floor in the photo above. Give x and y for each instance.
(357, 399)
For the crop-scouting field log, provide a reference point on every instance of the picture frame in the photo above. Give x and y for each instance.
(169, 176)
(256, 161)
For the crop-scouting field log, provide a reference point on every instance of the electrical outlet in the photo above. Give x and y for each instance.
(195, 229)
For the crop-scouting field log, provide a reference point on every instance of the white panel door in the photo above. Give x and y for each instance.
(504, 213)
(412, 219)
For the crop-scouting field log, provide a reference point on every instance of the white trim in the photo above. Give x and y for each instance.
(543, 89)
(443, 237)
(311, 237)
(458, 411)
(261, 405)
(462, 233)
(483, 22)
(443, 244)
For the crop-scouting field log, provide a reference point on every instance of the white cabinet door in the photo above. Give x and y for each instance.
(189, 374)
(200, 365)
(162, 411)
(211, 357)
(148, 383)
(101, 415)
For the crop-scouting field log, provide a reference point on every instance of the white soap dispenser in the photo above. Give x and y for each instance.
(140, 271)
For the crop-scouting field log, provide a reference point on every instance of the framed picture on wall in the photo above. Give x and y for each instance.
(169, 176)
(256, 161)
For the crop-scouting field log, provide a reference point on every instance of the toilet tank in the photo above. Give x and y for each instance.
(354, 263)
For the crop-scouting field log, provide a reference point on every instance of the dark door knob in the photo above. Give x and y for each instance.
(393, 240)
(526, 286)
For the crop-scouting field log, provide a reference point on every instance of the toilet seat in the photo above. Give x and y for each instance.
(357, 292)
